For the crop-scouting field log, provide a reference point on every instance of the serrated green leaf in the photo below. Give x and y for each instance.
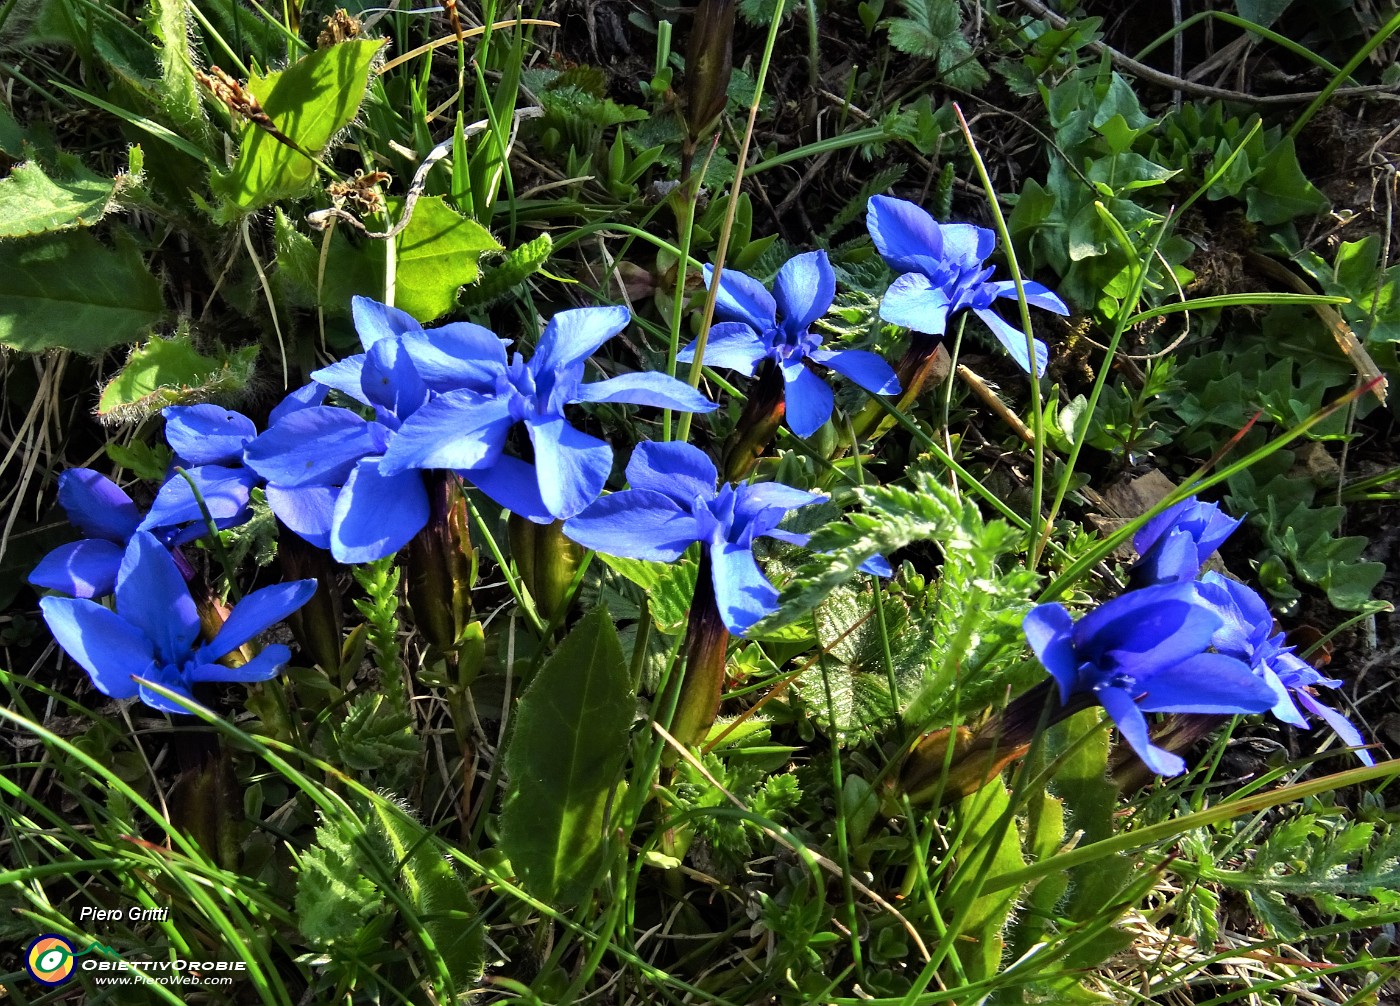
(172, 372)
(500, 278)
(563, 761)
(438, 253)
(334, 895)
(309, 102)
(68, 291)
(33, 203)
(669, 587)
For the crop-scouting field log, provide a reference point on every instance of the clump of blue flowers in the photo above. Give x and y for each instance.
(943, 271)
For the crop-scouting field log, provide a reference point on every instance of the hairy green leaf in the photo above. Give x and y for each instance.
(437, 254)
(308, 103)
(33, 203)
(172, 372)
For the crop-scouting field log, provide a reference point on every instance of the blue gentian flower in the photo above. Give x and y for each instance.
(153, 631)
(673, 503)
(102, 511)
(323, 463)
(1175, 544)
(467, 429)
(944, 272)
(1247, 633)
(756, 326)
(1145, 652)
(208, 441)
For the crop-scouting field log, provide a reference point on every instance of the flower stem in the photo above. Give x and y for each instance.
(706, 642)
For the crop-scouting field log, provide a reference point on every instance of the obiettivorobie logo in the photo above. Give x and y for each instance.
(50, 958)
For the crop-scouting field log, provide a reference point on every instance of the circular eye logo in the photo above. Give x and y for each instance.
(49, 960)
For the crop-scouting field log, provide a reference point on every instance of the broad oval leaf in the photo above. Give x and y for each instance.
(563, 761)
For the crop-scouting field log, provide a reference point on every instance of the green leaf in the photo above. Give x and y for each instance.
(443, 908)
(172, 372)
(563, 761)
(33, 203)
(1281, 191)
(438, 253)
(179, 92)
(926, 28)
(502, 277)
(669, 587)
(995, 850)
(68, 291)
(334, 896)
(350, 269)
(309, 102)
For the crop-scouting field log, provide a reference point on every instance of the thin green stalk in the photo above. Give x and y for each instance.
(1037, 415)
(673, 346)
(727, 228)
(1362, 54)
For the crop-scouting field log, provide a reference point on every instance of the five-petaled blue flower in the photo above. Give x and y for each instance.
(1174, 545)
(467, 429)
(756, 326)
(153, 631)
(1248, 634)
(673, 503)
(1145, 652)
(102, 511)
(944, 272)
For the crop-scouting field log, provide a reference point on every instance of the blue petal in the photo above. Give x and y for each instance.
(514, 484)
(261, 668)
(345, 376)
(866, 369)
(656, 390)
(1340, 725)
(573, 336)
(173, 680)
(1172, 559)
(732, 345)
(915, 303)
(967, 244)
(1133, 726)
(376, 514)
(1014, 340)
(1246, 618)
(809, 400)
(676, 469)
(153, 596)
(256, 613)
(86, 568)
(572, 466)
(803, 290)
(1283, 709)
(877, 565)
(635, 524)
(906, 236)
(458, 430)
(102, 643)
(390, 379)
(1206, 683)
(1049, 629)
(95, 506)
(456, 356)
(759, 508)
(1146, 630)
(375, 321)
(224, 492)
(744, 299)
(315, 446)
(742, 593)
(307, 510)
(1037, 295)
(1160, 524)
(207, 434)
(306, 397)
